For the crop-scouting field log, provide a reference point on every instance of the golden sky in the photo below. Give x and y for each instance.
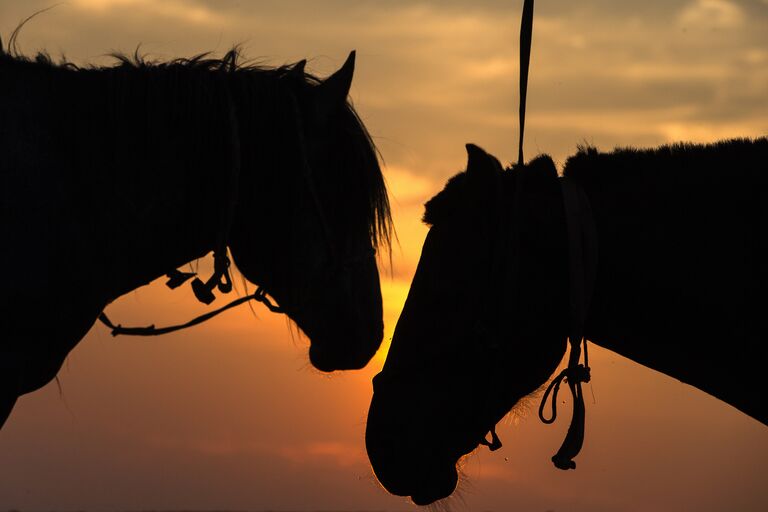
(229, 415)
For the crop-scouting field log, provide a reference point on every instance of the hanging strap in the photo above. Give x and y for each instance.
(526, 38)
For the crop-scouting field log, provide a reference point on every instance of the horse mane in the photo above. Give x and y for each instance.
(695, 161)
(366, 191)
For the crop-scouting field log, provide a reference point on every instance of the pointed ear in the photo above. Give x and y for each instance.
(332, 93)
(298, 69)
(480, 163)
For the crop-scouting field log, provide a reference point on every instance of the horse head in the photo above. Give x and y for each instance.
(307, 230)
(483, 326)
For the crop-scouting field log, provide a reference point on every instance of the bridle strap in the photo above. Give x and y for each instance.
(582, 257)
(259, 295)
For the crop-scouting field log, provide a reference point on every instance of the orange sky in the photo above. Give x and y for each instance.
(229, 415)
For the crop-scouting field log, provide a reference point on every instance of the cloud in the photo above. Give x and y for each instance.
(711, 14)
(173, 9)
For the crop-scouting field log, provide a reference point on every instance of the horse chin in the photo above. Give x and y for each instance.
(345, 323)
(350, 345)
(425, 482)
(408, 456)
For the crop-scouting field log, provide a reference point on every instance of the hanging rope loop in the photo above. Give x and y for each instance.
(574, 374)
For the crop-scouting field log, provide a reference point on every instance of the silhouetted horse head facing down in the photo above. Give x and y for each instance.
(510, 270)
(320, 264)
(112, 176)
(459, 360)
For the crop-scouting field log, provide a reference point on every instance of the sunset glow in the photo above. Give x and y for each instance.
(230, 415)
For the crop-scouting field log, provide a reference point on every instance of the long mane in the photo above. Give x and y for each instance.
(364, 185)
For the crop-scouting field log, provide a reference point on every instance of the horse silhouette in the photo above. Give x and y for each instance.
(113, 176)
(681, 287)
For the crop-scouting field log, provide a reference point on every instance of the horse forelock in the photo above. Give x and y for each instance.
(457, 189)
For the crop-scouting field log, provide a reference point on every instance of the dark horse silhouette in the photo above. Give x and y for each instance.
(681, 287)
(114, 176)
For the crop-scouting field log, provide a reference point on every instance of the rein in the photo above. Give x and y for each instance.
(221, 278)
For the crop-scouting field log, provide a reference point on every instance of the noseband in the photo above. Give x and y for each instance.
(221, 278)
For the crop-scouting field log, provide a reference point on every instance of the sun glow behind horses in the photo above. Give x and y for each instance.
(229, 415)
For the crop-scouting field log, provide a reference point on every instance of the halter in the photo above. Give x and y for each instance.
(582, 257)
(221, 278)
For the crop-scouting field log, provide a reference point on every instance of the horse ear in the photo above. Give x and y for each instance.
(298, 69)
(332, 93)
(480, 163)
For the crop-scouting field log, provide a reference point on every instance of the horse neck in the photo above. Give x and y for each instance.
(159, 178)
(679, 279)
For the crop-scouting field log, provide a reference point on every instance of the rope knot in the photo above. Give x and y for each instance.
(577, 374)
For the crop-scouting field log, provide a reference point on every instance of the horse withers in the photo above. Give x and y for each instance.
(114, 176)
(681, 287)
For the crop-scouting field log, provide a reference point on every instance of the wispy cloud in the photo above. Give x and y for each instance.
(171, 9)
(709, 14)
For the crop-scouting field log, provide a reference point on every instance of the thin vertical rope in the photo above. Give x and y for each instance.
(526, 37)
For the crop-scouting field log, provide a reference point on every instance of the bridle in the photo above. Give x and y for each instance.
(221, 278)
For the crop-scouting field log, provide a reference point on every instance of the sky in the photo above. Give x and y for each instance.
(230, 415)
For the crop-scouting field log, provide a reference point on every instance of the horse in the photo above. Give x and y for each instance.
(115, 175)
(681, 286)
